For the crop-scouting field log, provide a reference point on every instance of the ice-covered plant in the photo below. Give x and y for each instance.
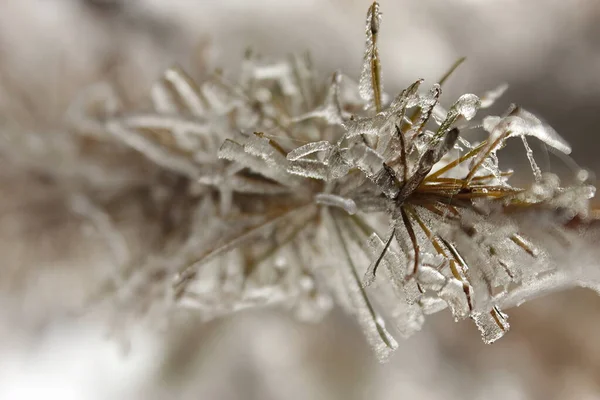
(293, 191)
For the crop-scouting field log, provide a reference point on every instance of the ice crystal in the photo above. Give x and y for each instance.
(301, 191)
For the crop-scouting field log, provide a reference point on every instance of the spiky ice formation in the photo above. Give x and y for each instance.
(300, 192)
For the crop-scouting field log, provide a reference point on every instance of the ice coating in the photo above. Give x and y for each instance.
(523, 123)
(384, 257)
(489, 98)
(439, 114)
(380, 339)
(309, 169)
(453, 294)
(384, 123)
(537, 172)
(466, 106)
(301, 184)
(370, 85)
(427, 104)
(430, 278)
(492, 325)
(308, 149)
(519, 123)
(345, 204)
(231, 150)
(365, 159)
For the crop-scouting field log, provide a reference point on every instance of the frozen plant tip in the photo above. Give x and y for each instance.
(300, 192)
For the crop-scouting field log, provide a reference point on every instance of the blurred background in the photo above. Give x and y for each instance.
(547, 50)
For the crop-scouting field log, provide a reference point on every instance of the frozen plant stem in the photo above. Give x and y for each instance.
(288, 178)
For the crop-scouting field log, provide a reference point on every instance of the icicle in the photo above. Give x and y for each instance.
(363, 126)
(304, 76)
(338, 167)
(387, 182)
(467, 106)
(220, 97)
(518, 123)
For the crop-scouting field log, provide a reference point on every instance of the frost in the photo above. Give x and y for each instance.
(432, 305)
(292, 190)
(489, 98)
(431, 279)
(492, 325)
(453, 293)
(537, 172)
